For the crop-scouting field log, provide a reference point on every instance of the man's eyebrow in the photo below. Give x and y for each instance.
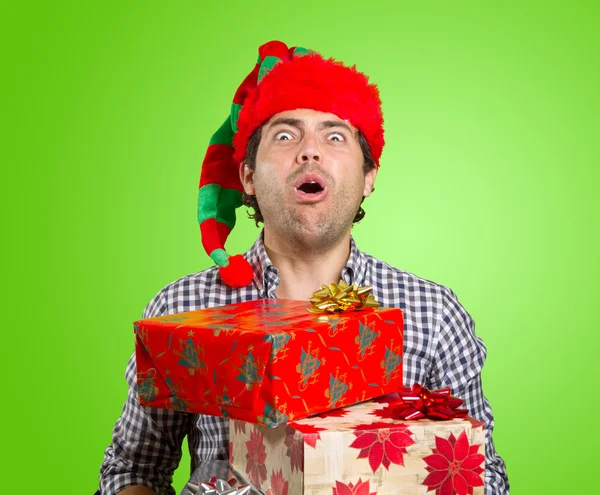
(327, 124)
(291, 122)
(299, 124)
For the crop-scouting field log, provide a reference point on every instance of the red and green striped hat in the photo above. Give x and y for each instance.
(282, 79)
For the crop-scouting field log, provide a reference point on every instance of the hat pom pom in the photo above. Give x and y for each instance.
(238, 273)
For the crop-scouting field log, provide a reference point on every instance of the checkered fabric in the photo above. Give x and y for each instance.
(440, 349)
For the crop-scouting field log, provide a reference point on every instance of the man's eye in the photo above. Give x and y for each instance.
(336, 136)
(283, 136)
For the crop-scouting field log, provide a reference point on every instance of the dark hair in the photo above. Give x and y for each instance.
(252, 149)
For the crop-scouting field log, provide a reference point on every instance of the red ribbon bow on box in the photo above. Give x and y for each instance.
(420, 402)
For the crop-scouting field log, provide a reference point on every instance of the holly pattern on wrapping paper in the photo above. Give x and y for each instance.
(249, 372)
(278, 345)
(142, 336)
(274, 323)
(276, 315)
(228, 328)
(308, 366)
(172, 319)
(270, 303)
(146, 388)
(178, 403)
(333, 324)
(272, 415)
(337, 389)
(223, 313)
(190, 356)
(390, 364)
(224, 400)
(365, 339)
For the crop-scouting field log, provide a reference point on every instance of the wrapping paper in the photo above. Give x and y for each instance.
(267, 361)
(358, 450)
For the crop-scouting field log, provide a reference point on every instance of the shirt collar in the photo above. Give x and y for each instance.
(266, 275)
(356, 266)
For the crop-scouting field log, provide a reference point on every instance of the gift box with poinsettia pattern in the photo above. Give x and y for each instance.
(267, 361)
(361, 450)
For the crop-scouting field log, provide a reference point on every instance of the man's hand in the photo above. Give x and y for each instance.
(136, 490)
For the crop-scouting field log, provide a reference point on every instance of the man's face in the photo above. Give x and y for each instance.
(308, 178)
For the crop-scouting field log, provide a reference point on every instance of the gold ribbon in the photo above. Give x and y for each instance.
(342, 298)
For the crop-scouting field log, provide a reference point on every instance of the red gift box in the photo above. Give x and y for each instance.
(267, 361)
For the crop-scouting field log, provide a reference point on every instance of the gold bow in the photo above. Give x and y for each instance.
(342, 298)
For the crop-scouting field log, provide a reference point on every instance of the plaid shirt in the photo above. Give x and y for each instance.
(440, 349)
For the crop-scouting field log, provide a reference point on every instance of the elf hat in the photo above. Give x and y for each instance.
(282, 79)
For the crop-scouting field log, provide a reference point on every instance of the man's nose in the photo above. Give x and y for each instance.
(309, 151)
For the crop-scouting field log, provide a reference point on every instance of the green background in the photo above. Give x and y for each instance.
(488, 185)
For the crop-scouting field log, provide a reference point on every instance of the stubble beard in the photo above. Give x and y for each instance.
(299, 226)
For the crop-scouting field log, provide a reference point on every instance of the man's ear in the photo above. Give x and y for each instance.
(370, 181)
(247, 179)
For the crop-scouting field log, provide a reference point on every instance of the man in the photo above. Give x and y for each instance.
(302, 146)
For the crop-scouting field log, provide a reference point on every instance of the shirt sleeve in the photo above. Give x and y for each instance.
(146, 442)
(459, 358)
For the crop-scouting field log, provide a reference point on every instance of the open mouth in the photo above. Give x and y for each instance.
(310, 188)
